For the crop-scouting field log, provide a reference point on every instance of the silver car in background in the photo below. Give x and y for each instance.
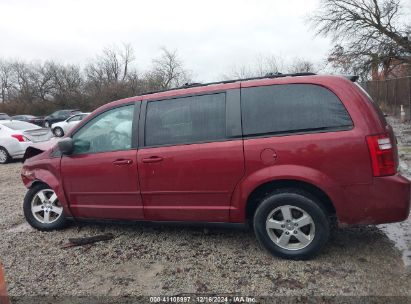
(16, 136)
(61, 128)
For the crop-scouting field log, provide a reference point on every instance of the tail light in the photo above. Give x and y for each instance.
(20, 138)
(383, 154)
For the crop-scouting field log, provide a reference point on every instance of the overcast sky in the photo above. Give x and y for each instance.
(210, 36)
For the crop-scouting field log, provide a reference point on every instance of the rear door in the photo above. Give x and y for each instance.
(101, 178)
(191, 156)
(304, 127)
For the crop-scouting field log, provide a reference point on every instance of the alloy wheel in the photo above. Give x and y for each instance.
(45, 206)
(290, 227)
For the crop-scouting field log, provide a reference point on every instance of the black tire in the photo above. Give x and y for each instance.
(58, 132)
(5, 156)
(59, 223)
(303, 202)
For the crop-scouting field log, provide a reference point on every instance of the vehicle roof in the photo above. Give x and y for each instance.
(299, 78)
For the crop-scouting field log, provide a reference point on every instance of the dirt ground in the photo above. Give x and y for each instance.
(147, 259)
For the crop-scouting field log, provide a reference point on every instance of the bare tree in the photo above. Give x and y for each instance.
(300, 65)
(268, 64)
(127, 57)
(24, 85)
(41, 87)
(261, 66)
(5, 80)
(168, 70)
(366, 33)
(239, 72)
(112, 66)
(67, 82)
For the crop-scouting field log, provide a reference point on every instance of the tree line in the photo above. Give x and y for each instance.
(369, 36)
(41, 87)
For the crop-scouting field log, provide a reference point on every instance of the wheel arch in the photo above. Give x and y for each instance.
(255, 197)
(45, 177)
(296, 176)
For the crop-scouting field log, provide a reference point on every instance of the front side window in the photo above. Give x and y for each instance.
(186, 120)
(291, 108)
(109, 131)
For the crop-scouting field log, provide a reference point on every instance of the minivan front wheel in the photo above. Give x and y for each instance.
(291, 224)
(42, 209)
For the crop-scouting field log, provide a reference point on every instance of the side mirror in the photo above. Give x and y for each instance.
(66, 146)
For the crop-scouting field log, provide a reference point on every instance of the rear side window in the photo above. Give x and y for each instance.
(185, 120)
(291, 108)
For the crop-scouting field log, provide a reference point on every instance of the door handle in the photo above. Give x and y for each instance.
(120, 162)
(152, 159)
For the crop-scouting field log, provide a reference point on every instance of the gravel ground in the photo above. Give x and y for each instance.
(148, 259)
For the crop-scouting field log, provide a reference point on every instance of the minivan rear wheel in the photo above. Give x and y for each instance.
(42, 209)
(291, 224)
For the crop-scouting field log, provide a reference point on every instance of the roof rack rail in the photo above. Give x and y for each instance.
(192, 84)
(352, 78)
(198, 84)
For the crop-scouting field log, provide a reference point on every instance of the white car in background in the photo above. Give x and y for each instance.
(16, 136)
(62, 127)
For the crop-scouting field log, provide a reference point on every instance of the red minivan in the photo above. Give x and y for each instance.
(287, 153)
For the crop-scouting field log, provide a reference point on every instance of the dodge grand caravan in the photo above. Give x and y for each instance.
(287, 153)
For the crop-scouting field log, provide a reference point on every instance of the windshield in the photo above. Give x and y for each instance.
(20, 125)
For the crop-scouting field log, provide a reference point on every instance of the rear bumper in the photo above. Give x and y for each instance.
(386, 200)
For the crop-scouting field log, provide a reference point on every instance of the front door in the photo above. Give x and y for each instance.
(188, 168)
(100, 178)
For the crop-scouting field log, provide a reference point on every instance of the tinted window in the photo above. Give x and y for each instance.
(291, 108)
(109, 131)
(185, 120)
